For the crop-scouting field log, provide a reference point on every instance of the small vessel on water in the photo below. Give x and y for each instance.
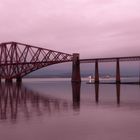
(91, 80)
(103, 78)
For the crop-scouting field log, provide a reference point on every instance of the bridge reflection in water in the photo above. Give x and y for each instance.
(19, 101)
(76, 95)
(117, 93)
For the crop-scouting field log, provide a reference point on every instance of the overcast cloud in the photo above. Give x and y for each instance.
(94, 28)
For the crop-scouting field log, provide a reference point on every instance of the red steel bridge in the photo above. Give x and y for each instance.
(18, 60)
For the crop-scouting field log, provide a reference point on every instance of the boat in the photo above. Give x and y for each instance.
(91, 80)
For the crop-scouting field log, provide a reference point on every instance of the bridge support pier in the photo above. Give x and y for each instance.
(118, 93)
(96, 72)
(118, 79)
(8, 80)
(18, 79)
(97, 93)
(76, 77)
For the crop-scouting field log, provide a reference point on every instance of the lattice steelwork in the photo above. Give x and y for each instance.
(17, 59)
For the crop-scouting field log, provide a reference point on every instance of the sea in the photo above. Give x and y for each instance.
(56, 109)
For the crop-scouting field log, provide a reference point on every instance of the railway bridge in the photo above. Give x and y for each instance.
(18, 60)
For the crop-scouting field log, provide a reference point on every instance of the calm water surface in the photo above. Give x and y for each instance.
(55, 109)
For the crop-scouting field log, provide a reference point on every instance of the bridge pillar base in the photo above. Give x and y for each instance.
(97, 93)
(118, 79)
(8, 80)
(118, 93)
(76, 77)
(19, 80)
(96, 72)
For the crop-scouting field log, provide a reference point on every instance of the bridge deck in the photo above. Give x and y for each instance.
(112, 59)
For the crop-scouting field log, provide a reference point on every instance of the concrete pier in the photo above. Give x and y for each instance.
(118, 79)
(18, 79)
(76, 77)
(8, 80)
(97, 93)
(96, 72)
(118, 93)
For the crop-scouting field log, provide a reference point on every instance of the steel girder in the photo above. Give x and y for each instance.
(112, 59)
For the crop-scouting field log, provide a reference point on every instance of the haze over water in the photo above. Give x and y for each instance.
(56, 109)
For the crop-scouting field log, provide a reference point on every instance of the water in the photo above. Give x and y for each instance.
(50, 109)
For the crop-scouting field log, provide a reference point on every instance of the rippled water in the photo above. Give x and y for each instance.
(55, 109)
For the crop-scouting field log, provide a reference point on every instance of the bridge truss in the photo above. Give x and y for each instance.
(17, 59)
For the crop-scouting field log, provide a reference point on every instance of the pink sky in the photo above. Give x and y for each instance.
(94, 28)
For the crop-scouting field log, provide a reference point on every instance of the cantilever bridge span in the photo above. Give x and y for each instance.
(17, 59)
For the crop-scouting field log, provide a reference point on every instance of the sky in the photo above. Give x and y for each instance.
(93, 28)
